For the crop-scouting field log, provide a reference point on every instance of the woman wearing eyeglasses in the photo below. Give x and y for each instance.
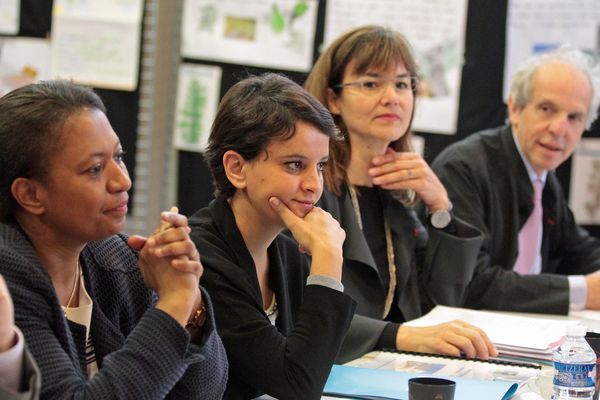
(395, 267)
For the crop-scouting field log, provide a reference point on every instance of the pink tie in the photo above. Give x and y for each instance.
(528, 236)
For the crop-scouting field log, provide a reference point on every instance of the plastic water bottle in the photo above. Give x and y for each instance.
(574, 367)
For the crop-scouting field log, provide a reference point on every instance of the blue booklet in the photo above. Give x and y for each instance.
(364, 383)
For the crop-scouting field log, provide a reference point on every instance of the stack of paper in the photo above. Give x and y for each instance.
(514, 336)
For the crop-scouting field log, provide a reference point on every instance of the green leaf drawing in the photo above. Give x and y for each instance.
(299, 9)
(277, 19)
(190, 120)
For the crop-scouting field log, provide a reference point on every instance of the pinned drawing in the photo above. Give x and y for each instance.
(584, 193)
(197, 99)
(207, 18)
(9, 16)
(282, 21)
(274, 33)
(190, 116)
(592, 204)
(23, 61)
(436, 31)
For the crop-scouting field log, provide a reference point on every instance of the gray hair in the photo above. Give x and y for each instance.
(523, 78)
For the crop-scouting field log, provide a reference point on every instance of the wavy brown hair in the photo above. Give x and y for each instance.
(369, 47)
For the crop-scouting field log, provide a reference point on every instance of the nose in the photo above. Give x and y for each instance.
(312, 180)
(389, 94)
(118, 180)
(558, 125)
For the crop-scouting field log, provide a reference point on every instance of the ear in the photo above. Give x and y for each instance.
(513, 112)
(332, 102)
(234, 164)
(29, 195)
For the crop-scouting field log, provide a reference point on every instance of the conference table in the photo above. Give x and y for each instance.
(529, 389)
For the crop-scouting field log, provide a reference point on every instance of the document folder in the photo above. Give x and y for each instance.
(364, 383)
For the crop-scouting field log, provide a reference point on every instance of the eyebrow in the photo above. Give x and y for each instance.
(378, 74)
(303, 157)
(100, 154)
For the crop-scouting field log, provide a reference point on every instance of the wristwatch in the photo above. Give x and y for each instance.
(440, 219)
(198, 319)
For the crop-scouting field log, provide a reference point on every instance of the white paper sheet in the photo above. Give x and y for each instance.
(584, 197)
(436, 31)
(197, 100)
(277, 33)
(9, 16)
(23, 61)
(528, 333)
(535, 26)
(97, 43)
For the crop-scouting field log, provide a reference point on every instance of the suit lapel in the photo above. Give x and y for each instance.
(355, 245)
(38, 279)
(402, 223)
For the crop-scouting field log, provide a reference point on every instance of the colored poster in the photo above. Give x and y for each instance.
(23, 61)
(584, 197)
(534, 26)
(9, 16)
(97, 43)
(436, 31)
(274, 33)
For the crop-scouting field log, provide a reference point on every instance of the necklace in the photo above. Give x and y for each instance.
(389, 247)
(77, 275)
(272, 308)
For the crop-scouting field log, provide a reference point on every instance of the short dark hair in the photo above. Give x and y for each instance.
(254, 112)
(31, 121)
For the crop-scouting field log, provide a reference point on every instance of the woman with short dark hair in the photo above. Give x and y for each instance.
(281, 315)
(105, 316)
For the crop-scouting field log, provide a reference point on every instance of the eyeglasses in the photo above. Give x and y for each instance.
(373, 86)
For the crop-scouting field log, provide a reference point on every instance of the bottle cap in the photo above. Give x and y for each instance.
(576, 330)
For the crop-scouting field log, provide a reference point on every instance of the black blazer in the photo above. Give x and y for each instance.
(293, 359)
(432, 267)
(489, 185)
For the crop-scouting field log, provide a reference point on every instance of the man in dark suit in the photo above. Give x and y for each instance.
(534, 257)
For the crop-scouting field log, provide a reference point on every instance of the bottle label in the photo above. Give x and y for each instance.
(574, 375)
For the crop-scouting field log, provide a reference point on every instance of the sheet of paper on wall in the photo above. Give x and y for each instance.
(97, 42)
(197, 99)
(277, 33)
(535, 26)
(584, 196)
(23, 61)
(9, 16)
(436, 31)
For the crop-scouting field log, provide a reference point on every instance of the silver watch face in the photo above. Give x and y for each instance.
(440, 219)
